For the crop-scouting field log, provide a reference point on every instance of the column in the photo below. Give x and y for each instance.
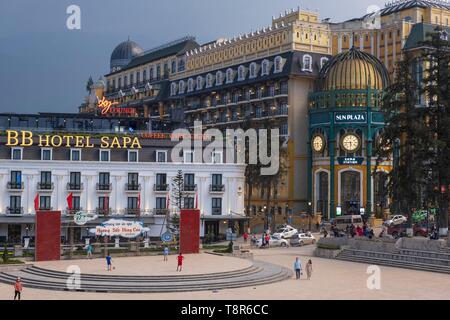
(362, 38)
(372, 45)
(378, 45)
(331, 144)
(386, 51)
(339, 43)
(369, 156)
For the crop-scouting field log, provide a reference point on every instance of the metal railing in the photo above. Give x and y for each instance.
(217, 188)
(104, 186)
(15, 210)
(161, 187)
(74, 186)
(160, 212)
(15, 185)
(190, 187)
(45, 186)
(132, 187)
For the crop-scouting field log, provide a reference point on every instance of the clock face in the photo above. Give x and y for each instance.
(318, 143)
(350, 142)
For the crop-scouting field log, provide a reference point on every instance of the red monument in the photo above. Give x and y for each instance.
(48, 236)
(190, 231)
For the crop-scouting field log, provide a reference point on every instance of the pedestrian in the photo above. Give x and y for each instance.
(298, 268)
(325, 232)
(245, 237)
(89, 250)
(309, 269)
(263, 240)
(108, 262)
(17, 288)
(267, 240)
(166, 253)
(180, 259)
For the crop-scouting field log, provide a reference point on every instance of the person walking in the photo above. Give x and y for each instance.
(309, 269)
(180, 259)
(108, 262)
(166, 253)
(267, 240)
(297, 268)
(89, 250)
(245, 236)
(17, 288)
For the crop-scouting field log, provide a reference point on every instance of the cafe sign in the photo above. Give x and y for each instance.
(107, 107)
(81, 218)
(350, 117)
(350, 160)
(120, 228)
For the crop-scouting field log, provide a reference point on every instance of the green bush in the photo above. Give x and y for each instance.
(12, 261)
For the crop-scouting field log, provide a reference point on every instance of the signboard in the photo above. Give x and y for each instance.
(81, 218)
(350, 160)
(350, 117)
(338, 211)
(166, 237)
(106, 107)
(120, 228)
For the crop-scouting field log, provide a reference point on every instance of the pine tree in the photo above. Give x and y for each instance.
(177, 192)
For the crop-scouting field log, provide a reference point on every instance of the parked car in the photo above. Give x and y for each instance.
(419, 230)
(301, 239)
(395, 220)
(343, 221)
(285, 232)
(274, 242)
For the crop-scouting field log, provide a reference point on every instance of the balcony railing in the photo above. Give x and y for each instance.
(161, 187)
(133, 212)
(160, 212)
(216, 211)
(15, 210)
(45, 208)
(104, 186)
(74, 186)
(190, 187)
(103, 212)
(15, 185)
(217, 188)
(132, 187)
(45, 186)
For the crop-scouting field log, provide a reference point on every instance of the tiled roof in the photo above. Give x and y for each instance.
(419, 33)
(396, 6)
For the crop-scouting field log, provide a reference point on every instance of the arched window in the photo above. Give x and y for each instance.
(278, 64)
(253, 70)
(181, 65)
(181, 87)
(241, 73)
(230, 76)
(323, 61)
(190, 85)
(151, 74)
(265, 66)
(174, 66)
(209, 80)
(173, 89)
(307, 63)
(219, 78)
(144, 75)
(199, 82)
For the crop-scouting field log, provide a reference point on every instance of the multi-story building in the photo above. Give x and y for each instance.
(108, 174)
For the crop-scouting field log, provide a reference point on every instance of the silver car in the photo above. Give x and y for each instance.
(301, 239)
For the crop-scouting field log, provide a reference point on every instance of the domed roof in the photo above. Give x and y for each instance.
(123, 54)
(353, 70)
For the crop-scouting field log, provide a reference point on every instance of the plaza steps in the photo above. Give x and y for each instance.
(403, 258)
(258, 274)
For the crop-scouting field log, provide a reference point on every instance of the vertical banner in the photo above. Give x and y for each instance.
(190, 231)
(48, 236)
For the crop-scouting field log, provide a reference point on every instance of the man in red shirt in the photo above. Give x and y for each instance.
(180, 259)
(245, 237)
(17, 288)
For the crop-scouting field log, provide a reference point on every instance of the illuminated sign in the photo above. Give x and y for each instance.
(27, 139)
(350, 117)
(350, 160)
(120, 228)
(106, 107)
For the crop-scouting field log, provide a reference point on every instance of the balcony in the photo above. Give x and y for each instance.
(15, 186)
(103, 212)
(132, 187)
(72, 211)
(216, 211)
(217, 188)
(133, 212)
(190, 188)
(14, 211)
(74, 187)
(45, 186)
(104, 187)
(45, 208)
(164, 188)
(160, 212)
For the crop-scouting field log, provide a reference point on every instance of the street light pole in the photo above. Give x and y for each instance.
(310, 214)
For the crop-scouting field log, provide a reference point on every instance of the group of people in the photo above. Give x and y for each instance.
(364, 231)
(298, 269)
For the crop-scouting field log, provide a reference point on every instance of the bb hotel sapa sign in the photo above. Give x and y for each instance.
(28, 138)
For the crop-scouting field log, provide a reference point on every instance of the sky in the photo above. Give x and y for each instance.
(44, 66)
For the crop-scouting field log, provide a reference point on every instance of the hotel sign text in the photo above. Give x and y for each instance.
(350, 117)
(28, 139)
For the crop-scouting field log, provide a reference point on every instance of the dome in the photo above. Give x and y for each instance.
(123, 54)
(353, 70)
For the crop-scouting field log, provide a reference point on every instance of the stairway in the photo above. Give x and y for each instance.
(258, 274)
(403, 258)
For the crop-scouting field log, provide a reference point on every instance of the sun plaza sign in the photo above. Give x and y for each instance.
(28, 139)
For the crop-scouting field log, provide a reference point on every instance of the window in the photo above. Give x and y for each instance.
(76, 203)
(125, 81)
(16, 154)
(217, 157)
(253, 70)
(189, 182)
(216, 206)
(230, 76)
(209, 80)
(181, 65)
(133, 205)
(46, 180)
(16, 180)
(75, 181)
(132, 156)
(189, 203)
(161, 156)
(104, 155)
(284, 129)
(103, 181)
(173, 89)
(144, 75)
(133, 181)
(199, 83)
(190, 85)
(181, 87)
(278, 64)
(138, 77)
(174, 66)
(161, 203)
(216, 182)
(46, 154)
(188, 156)
(103, 205)
(131, 79)
(151, 74)
(45, 203)
(15, 205)
(219, 78)
(307, 63)
(75, 155)
(323, 62)
(161, 182)
(241, 73)
(265, 68)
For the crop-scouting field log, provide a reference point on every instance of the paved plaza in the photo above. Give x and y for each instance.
(331, 279)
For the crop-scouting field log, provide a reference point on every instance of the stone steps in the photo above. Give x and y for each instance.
(259, 274)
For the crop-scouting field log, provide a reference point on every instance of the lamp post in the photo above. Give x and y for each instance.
(286, 212)
(266, 219)
(310, 213)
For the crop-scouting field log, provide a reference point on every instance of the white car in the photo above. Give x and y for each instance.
(285, 232)
(274, 242)
(302, 239)
(395, 220)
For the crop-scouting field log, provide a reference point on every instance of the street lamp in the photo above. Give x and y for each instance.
(266, 218)
(310, 213)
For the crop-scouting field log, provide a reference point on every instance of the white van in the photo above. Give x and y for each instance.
(343, 221)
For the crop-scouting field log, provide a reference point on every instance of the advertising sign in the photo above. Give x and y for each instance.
(350, 117)
(81, 218)
(120, 228)
(350, 160)
(338, 211)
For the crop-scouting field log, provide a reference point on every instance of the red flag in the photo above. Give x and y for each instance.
(168, 201)
(36, 202)
(196, 200)
(139, 201)
(70, 201)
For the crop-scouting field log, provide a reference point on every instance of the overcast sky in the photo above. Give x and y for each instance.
(44, 66)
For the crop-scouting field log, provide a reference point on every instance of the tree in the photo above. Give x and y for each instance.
(177, 193)
(89, 84)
